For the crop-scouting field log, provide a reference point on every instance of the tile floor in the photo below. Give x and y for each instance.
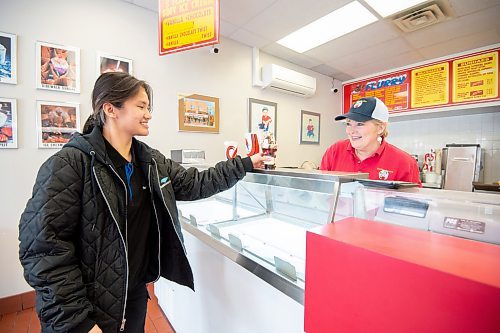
(26, 321)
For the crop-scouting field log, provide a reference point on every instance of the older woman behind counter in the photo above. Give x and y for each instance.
(366, 148)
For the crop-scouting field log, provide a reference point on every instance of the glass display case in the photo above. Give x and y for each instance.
(463, 214)
(261, 222)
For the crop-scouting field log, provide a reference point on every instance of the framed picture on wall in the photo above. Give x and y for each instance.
(8, 58)
(198, 113)
(110, 63)
(8, 123)
(56, 123)
(309, 127)
(262, 117)
(57, 67)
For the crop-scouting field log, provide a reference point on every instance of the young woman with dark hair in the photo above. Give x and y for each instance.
(102, 221)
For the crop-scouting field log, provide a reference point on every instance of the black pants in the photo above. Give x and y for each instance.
(135, 313)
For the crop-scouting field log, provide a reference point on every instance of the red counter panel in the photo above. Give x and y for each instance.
(364, 276)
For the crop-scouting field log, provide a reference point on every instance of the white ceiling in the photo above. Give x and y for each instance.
(377, 47)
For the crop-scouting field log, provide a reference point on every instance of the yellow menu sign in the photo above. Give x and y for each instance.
(475, 78)
(429, 85)
(187, 24)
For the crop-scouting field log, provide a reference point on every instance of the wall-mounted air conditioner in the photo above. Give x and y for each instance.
(288, 81)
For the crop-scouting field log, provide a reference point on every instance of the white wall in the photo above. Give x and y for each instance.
(125, 30)
(419, 136)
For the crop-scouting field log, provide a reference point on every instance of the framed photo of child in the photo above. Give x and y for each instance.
(262, 117)
(57, 67)
(309, 127)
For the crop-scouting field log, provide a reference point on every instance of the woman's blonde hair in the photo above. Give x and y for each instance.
(385, 133)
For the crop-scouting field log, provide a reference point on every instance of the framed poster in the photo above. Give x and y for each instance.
(8, 123)
(309, 127)
(57, 67)
(186, 24)
(262, 117)
(8, 58)
(198, 113)
(109, 63)
(56, 123)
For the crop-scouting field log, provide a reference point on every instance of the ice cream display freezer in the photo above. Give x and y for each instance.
(261, 223)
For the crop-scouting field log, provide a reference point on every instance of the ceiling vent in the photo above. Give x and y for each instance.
(420, 18)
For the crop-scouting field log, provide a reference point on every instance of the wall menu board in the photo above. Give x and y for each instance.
(187, 24)
(430, 85)
(465, 79)
(391, 88)
(475, 78)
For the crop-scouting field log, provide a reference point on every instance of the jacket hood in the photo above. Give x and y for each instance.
(92, 142)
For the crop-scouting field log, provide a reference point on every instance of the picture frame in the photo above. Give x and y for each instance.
(109, 63)
(8, 123)
(262, 117)
(310, 127)
(198, 113)
(57, 67)
(8, 58)
(56, 123)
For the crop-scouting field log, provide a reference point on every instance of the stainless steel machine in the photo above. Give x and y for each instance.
(463, 164)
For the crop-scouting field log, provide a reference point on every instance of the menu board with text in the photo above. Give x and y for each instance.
(469, 78)
(475, 78)
(187, 24)
(430, 85)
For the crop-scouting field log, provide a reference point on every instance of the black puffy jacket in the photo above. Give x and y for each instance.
(72, 232)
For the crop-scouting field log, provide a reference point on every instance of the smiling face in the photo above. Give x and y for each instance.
(363, 135)
(134, 115)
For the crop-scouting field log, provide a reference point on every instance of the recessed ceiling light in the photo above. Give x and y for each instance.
(386, 8)
(338, 23)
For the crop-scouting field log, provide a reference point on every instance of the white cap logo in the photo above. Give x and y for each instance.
(358, 103)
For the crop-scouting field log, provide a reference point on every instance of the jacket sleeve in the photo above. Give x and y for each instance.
(47, 250)
(191, 184)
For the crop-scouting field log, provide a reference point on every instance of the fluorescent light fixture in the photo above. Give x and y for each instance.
(386, 8)
(338, 23)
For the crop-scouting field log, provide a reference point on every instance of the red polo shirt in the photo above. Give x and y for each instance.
(387, 163)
